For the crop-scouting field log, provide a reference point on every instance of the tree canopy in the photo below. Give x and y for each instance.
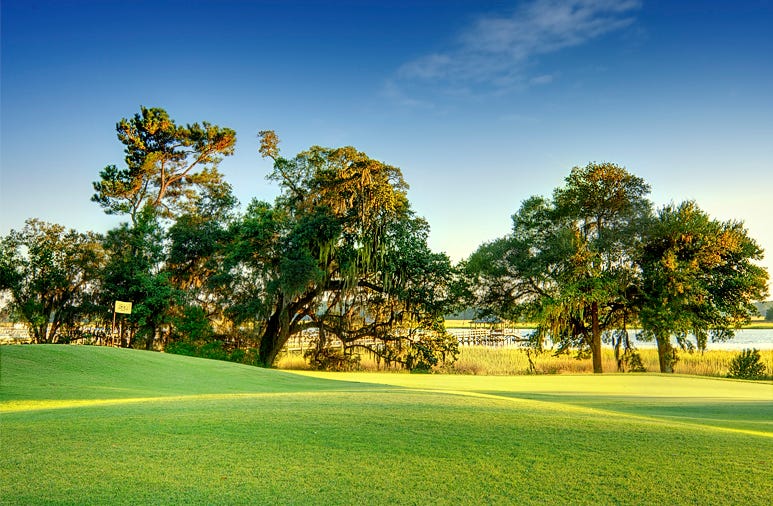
(593, 260)
(341, 252)
(170, 168)
(698, 279)
(568, 263)
(51, 273)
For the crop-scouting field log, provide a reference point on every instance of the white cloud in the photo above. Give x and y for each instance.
(495, 51)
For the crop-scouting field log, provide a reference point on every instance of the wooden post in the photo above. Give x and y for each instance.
(112, 331)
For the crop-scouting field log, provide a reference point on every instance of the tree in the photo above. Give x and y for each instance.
(171, 173)
(51, 273)
(170, 168)
(698, 280)
(328, 256)
(769, 314)
(605, 206)
(568, 264)
(134, 273)
(197, 243)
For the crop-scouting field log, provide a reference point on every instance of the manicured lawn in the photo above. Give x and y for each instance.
(87, 425)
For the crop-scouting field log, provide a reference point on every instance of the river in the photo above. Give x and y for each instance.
(761, 339)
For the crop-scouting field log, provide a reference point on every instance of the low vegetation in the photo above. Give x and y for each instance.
(505, 361)
(95, 425)
(747, 365)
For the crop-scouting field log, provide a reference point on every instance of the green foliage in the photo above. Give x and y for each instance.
(698, 279)
(633, 362)
(769, 315)
(215, 349)
(747, 365)
(331, 359)
(193, 335)
(170, 168)
(339, 251)
(51, 274)
(567, 264)
(134, 273)
(422, 357)
(593, 259)
(192, 324)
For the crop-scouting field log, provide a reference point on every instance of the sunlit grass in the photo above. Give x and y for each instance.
(87, 425)
(508, 360)
(497, 361)
(759, 325)
(755, 324)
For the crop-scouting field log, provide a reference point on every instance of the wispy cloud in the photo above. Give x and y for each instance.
(494, 53)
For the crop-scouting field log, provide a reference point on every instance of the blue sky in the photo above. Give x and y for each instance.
(480, 103)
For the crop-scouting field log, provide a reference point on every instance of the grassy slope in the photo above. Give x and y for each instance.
(84, 425)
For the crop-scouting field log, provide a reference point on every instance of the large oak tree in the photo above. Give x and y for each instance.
(341, 252)
(699, 280)
(569, 261)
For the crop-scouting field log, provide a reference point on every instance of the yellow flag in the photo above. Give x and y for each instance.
(123, 307)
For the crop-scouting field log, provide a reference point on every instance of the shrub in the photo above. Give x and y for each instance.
(634, 362)
(328, 359)
(214, 350)
(747, 365)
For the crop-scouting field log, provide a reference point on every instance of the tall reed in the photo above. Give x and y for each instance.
(505, 361)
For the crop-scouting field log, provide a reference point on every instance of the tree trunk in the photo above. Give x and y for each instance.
(125, 336)
(51, 336)
(666, 355)
(151, 340)
(275, 335)
(39, 332)
(596, 339)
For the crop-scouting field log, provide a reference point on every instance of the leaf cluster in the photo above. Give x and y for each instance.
(169, 167)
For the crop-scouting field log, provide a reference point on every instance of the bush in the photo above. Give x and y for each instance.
(634, 362)
(747, 365)
(327, 359)
(214, 350)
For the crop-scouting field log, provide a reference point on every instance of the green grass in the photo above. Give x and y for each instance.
(88, 425)
(759, 325)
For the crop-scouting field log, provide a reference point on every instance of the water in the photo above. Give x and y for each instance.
(762, 339)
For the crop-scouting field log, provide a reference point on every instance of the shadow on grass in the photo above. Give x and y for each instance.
(752, 415)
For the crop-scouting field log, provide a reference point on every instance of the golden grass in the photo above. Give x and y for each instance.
(499, 361)
(506, 361)
(759, 325)
(755, 324)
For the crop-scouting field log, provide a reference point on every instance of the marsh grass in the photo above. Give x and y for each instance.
(759, 325)
(506, 361)
(755, 324)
